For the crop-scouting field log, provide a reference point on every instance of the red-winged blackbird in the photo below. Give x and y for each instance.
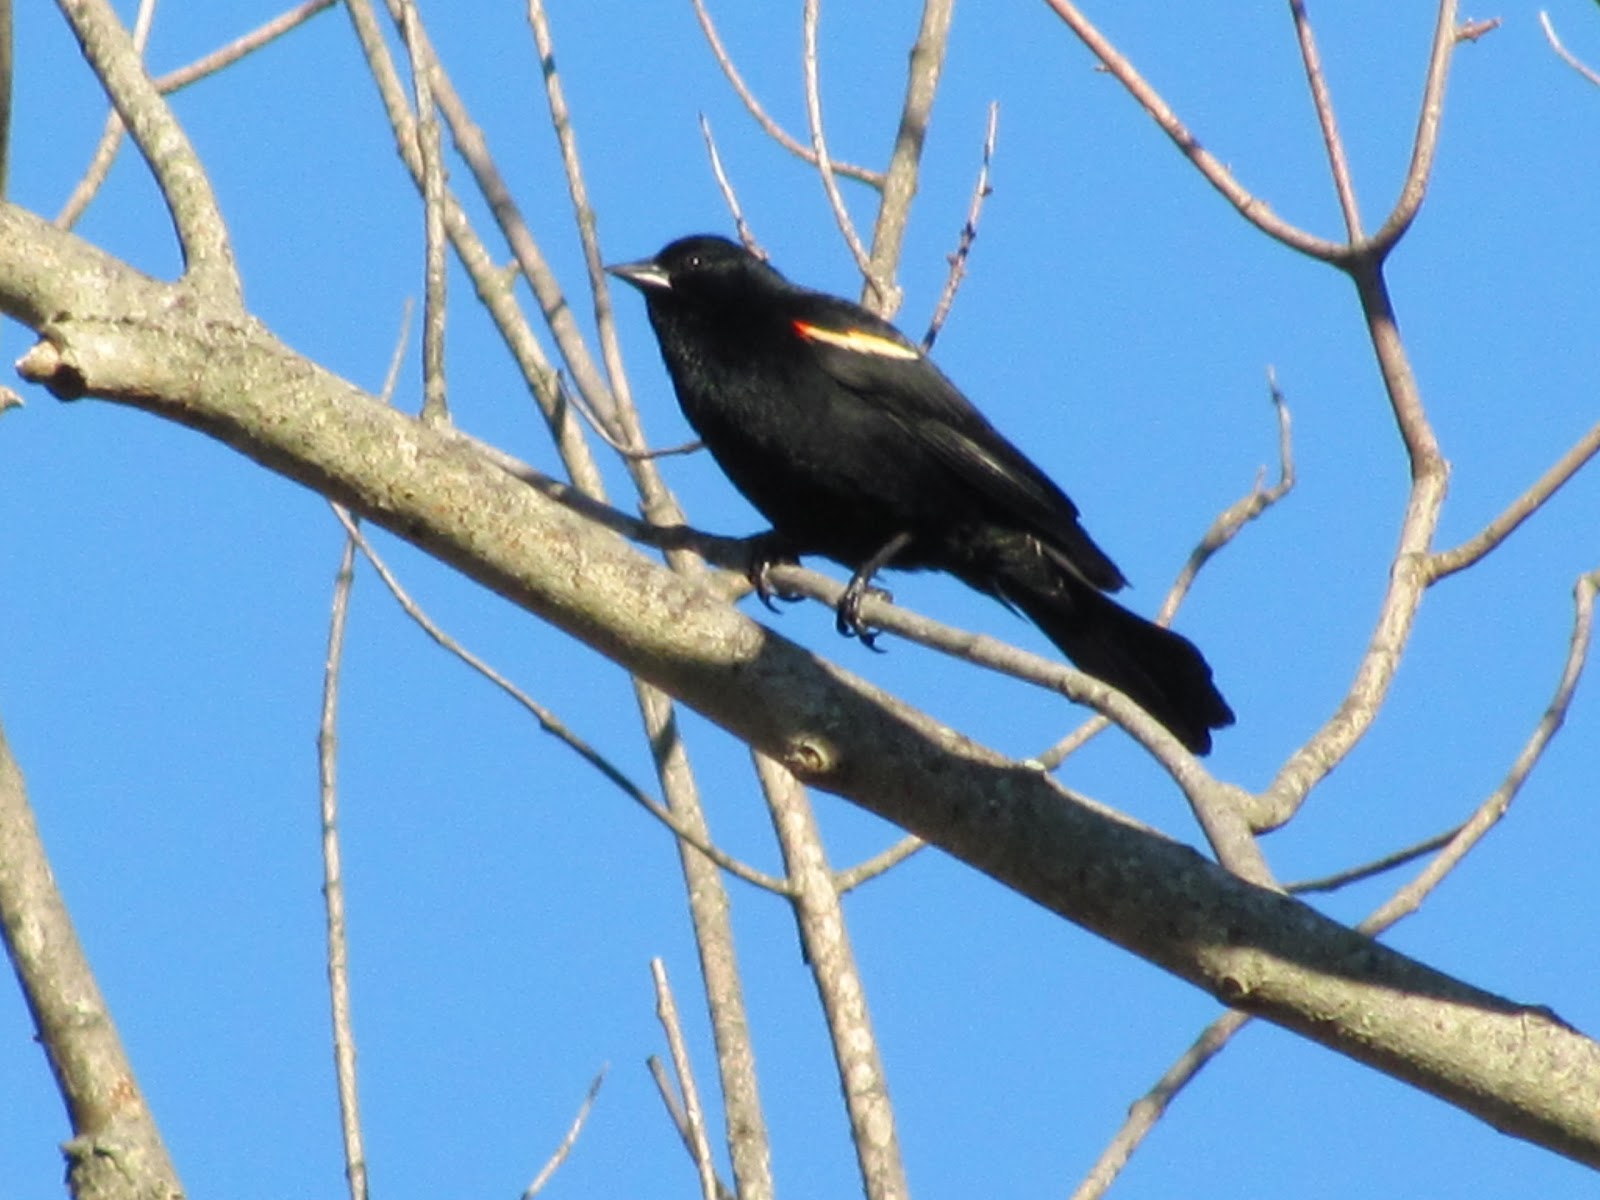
(856, 447)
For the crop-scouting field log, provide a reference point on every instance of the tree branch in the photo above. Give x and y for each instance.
(115, 1144)
(826, 940)
(753, 106)
(207, 253)
(1250, 947)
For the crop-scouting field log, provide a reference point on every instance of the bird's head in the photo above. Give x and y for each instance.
(700, 270)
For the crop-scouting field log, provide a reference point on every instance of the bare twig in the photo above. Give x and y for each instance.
(208, 64)
(773, 130)
(729, 197)
(1152, 1106)
(1248, 508)
(7, 82)
(924, 67)
(1566, 55)
(1448, 562)
(700, 1146)
(435, 404)
(878, 864)
(1494, 807)
(1408, 574)
(105, 151)
(209, 265)
(744, 1119)
(116, 1149)
(552, 724)
(1340, 879)
(818, 915)
(344, 1040)
(490, 282)
(1322, 102)
(675, 1114)
(1249, 206)
(224, 56)
(881, 300)
(1222, 530)
(1426, 142)
(620, 407)
(969, 234)
(567, 1143)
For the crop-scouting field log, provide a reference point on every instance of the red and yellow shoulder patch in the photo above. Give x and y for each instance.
(858, 340)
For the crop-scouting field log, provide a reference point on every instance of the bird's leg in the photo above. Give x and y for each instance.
(766, 551)
(847, 617)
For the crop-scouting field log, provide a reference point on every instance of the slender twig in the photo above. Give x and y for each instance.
(567, 1143)
(116, 1148)
(729, 196)
(489, 281)
(1249, 206)
(1425, 144)
(344, 1038)
(819, 917)
(1409, 898)
(878, 864)
(435, 405)
(493, 285)
(619, 407)
(969, 234)
(552, 724)
(1448, 562)
(1380, 866)
(223, 56)
(1249, 507)
(338, 944)
(1407, 579)
(202, 67)
(753, 106)
(924, 67)
(209, 265)
(700, 1145)
(675, 1114)
(1152, 1106)
(1227, 526)
(1322, 102)
(880, 300)
(1566, 55)
(7, 83)
(105, 151)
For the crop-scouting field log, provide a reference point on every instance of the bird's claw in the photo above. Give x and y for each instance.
(847, 617)
(768, 550)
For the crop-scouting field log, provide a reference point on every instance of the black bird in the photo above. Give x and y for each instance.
(856, 447)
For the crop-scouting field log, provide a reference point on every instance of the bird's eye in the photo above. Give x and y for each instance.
(692, 262)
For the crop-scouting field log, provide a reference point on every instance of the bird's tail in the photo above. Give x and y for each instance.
(1161, 670)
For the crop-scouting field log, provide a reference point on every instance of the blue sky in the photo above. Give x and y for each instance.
(167, 606)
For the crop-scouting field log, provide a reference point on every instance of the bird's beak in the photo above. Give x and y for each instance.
(644, 275)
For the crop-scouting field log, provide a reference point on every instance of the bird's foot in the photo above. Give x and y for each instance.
(768, 550)
(847, 617)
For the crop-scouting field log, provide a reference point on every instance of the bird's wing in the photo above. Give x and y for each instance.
(878, 363)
